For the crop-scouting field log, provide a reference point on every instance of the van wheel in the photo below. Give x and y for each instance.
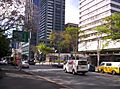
(65, 70)
(73, 72)
(83, 73)
(113, 72)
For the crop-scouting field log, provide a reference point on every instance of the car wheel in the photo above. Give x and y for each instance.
(102, 71)
(65, 70)
(113, 72)
(83, 73)
(73, 72)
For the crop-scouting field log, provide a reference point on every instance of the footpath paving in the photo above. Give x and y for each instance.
(14, 79)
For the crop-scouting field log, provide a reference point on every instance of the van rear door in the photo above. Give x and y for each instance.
(82, 65)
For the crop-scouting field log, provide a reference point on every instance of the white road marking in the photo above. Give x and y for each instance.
(37, 70)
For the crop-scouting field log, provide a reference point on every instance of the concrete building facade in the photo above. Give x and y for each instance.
(91, 14)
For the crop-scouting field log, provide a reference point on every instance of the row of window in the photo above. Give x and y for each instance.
(92, 3)
(99, 16)
(88, 12)
(116, 6)
(116, 1)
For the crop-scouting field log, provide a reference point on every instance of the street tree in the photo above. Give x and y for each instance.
(72, 32)
(111, 27)
(11, 15)
(11, 18)
(4, 46)
(56, 40)
(43, 50)
(52, 37)
(108, 31)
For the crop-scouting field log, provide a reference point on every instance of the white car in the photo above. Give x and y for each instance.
(3, 61)
(25, 64)
(76, 66)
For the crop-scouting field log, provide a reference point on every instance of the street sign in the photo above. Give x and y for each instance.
(20, 36)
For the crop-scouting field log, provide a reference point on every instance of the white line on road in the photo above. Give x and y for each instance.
(37, 70)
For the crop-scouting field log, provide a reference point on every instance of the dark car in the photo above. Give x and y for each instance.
(31, 62)
(91, 68)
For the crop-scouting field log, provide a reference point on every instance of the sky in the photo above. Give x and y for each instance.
(72, 11)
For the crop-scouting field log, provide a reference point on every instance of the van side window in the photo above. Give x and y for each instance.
(108, 64)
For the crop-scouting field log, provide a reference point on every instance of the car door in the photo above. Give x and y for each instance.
(108, 68)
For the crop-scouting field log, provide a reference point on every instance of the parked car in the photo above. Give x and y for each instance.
(109, 67)
(3, 61)
(76, 66)
(91, 68)
(31, 62)
(25, 64)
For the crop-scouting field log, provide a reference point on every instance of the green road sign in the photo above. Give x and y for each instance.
(20, 36)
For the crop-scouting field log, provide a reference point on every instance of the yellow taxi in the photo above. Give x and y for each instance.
(109, 67)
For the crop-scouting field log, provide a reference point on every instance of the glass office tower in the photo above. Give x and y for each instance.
(52, 18)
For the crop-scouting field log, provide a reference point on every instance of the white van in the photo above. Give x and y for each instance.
(76, 66)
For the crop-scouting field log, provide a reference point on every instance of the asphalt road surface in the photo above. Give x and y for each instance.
(49, 77)
(91, 80)
(25, 81)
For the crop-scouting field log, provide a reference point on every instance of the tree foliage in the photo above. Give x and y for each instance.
(43, 48)
(66, 40)
(111, 27)
(11, 15)
(4, 46)
(73, 37)
(60, 41)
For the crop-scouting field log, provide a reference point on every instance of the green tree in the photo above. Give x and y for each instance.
(52, 37)
(72, 32)
(43, 50)
(4, 46)
(108, 31)
(111, 27)
(11, 18)
(56, 40)
(66, 41)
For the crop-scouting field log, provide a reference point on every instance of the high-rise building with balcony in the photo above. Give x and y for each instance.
(91, 13)
(52, 18)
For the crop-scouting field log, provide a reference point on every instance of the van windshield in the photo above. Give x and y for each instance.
(82, 62)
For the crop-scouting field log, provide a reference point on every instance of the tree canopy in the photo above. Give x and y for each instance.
(11, 15)
(4, 46)
(111, 27)
(43, 48)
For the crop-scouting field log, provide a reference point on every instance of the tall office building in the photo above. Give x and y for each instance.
(52, 18)
(91, 13)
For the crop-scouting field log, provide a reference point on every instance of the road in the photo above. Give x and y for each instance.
(14, 79)
(91, 80)
(49, 77)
